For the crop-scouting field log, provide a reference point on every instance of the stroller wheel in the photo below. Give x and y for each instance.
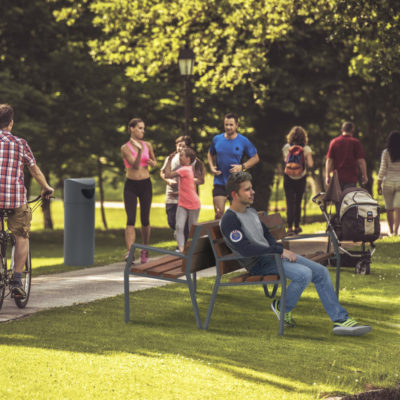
(363, 267)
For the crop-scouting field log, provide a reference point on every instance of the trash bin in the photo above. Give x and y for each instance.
(79, 207)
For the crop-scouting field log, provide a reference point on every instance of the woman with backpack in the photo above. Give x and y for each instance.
(297, 155)
(389, 181)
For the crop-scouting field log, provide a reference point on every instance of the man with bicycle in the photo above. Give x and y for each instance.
(15, 153)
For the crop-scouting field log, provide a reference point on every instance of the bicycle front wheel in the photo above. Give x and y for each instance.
(26, 283)
(3, 281)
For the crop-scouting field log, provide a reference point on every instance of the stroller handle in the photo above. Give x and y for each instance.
(316, 198)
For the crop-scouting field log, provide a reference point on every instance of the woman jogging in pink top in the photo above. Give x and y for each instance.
(188, 200)
(137, 155)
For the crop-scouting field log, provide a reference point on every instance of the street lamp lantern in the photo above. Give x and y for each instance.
(186, 62)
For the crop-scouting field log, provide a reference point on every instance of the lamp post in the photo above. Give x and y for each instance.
(186, 62)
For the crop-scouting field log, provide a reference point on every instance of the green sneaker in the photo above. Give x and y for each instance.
(350, 327)
(289, 321)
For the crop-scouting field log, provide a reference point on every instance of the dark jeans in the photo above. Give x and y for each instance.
(294, 190)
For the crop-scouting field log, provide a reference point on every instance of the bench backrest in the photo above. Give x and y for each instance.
(202, 255)
(274, 222)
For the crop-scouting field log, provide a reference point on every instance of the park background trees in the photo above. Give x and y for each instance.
(77, 71)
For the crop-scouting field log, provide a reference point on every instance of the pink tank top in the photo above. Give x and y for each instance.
(144, 160)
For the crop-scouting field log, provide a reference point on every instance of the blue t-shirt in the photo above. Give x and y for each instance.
(230, 152)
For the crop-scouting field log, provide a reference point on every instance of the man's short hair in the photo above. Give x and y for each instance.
(187, 139)
(348, 127)
(235, 180)
(6, 115)
(231, 115)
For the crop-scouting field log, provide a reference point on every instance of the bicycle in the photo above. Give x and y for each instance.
(8, 239)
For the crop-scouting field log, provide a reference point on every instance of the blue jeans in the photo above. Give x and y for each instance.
(301, 273)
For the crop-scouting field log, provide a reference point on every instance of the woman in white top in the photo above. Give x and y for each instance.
(389, 181)
(295, 185)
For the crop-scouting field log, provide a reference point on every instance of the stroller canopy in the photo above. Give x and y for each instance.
(356, 197)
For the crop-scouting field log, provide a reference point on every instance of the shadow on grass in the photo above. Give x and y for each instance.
(242, 340)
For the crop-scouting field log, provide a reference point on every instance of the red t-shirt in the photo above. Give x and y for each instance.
(187, 196)
(345, 151)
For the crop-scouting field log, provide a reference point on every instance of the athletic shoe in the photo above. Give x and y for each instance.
(144, 256)
(297, 230)
(350, 327)
(289, 321)
(16, 288)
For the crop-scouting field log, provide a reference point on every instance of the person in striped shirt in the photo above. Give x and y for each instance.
(15, 154)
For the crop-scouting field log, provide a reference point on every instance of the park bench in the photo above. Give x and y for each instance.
(199, 254)
(174, 266)
(206, 248)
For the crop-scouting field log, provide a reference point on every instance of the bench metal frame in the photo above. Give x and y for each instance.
(264, 283)
(189, 281)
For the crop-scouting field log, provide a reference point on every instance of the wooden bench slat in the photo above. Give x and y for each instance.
(154, 263)
(319, 257)
(246, 277)
(174, 273)
(269, 278)
(165, 267)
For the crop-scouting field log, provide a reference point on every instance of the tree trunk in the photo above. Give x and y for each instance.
(101, 190)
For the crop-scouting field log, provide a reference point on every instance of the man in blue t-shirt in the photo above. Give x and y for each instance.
(225, 156)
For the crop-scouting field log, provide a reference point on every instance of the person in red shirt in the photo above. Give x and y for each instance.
(346, 155)
(188, 199)
(15, 153)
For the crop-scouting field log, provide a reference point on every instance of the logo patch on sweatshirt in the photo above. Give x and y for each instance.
(236, 236)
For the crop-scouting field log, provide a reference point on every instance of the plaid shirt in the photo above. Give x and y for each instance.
(15, 153)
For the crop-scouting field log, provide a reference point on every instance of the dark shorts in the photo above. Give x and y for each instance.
(219, 190)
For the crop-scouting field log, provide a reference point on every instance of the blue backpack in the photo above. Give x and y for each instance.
(295, 164)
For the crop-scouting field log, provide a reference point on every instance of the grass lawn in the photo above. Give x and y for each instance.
(88, 352)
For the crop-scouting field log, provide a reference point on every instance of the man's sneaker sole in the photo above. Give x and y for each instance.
(18, 292)
(274, 308)
(351, 330)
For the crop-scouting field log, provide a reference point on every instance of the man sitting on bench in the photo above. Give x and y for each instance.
(246, 235)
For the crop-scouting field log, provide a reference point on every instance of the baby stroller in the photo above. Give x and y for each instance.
(356, 219)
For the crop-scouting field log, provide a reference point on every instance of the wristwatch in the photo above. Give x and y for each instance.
(243, 168)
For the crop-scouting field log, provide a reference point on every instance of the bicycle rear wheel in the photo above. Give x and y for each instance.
(26, 283)
(3, 279)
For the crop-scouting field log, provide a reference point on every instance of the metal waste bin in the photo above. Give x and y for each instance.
(79, 207)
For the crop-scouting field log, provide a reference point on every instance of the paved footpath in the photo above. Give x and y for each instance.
(93, 283)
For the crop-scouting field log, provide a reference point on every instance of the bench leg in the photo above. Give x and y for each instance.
(195, 282)
(127, 271)
(338, 263)
(282, 306)
(192, 287)
(126, 292)
(212, 302)
(274, 290)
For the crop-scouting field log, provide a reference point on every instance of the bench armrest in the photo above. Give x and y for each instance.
(277, 257)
